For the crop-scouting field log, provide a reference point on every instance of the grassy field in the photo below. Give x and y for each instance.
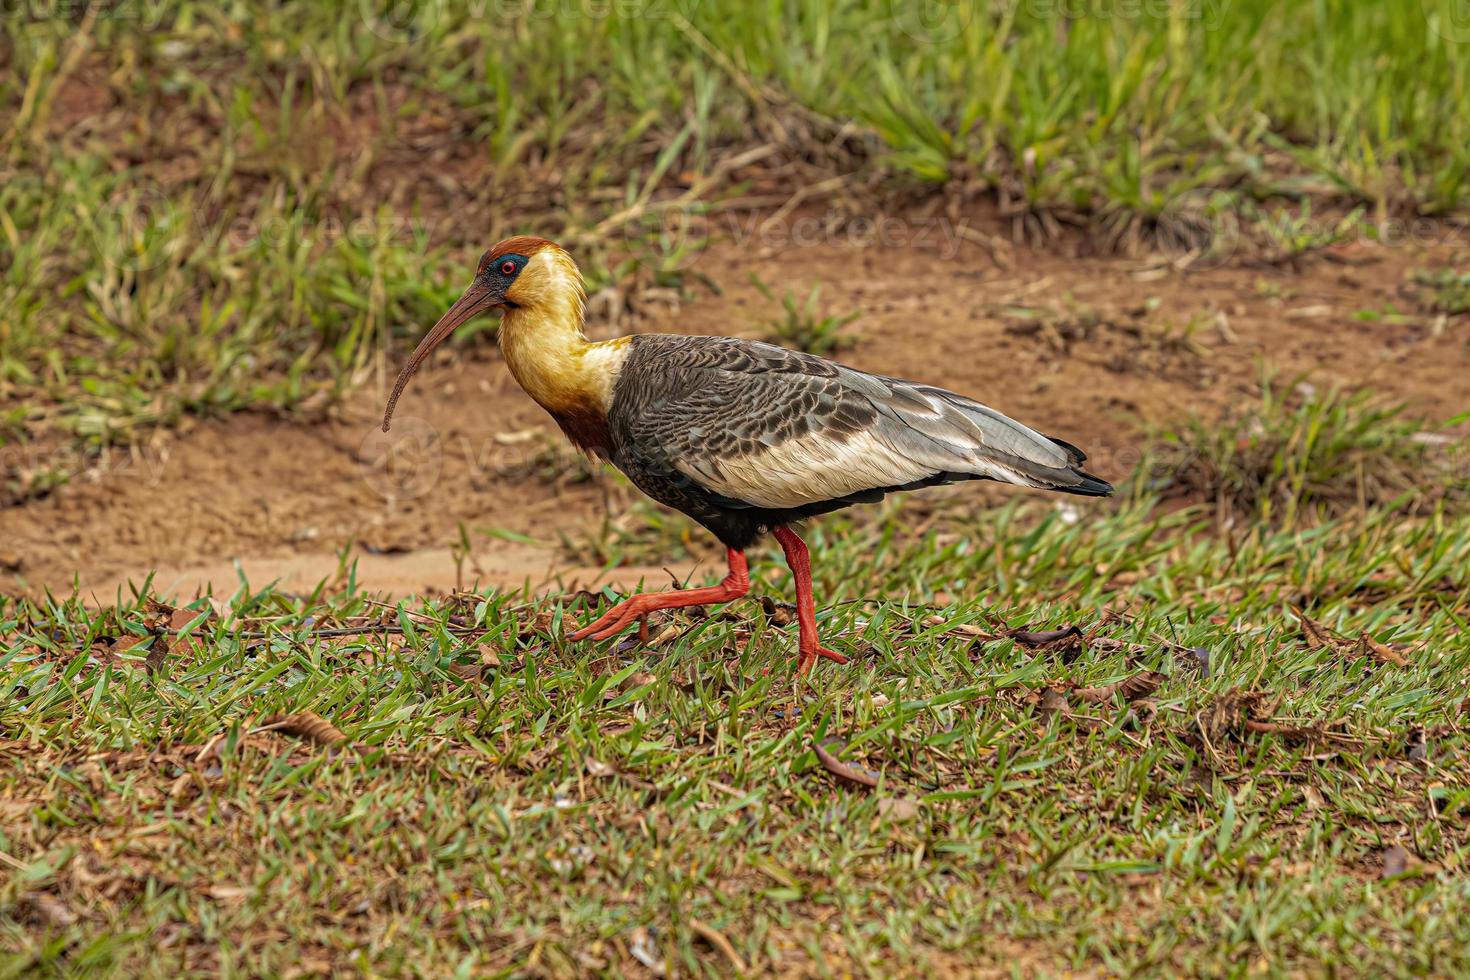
(205, 207)
(1215, 725)
(1189, 785)
(1136, 742)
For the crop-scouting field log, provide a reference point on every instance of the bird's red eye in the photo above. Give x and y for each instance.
(508, 268)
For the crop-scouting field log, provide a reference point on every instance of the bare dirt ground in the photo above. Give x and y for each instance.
(1090, 349)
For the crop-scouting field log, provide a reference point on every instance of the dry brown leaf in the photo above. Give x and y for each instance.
(1292, 733)
(180, 620)
(1139, 685)
(1228, 713)
(632, 682)
(1318, 637)
(306, 725)
(229, 893)
(1053, 701)
(842, 770)
(469, 673)
(1045, 637)
(539, 627)
(779, 613)
(167, 625)
(1144, 712)
(156, 614)
(1398, 860)
(898, 807)
(51, 910)
(1417, 745)
(157, 658)
(1371, 649)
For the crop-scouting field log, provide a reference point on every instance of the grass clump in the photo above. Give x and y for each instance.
(1444, 290)
(801, 325)
(1302, 454)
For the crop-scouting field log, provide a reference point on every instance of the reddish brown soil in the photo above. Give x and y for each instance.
(283, 497)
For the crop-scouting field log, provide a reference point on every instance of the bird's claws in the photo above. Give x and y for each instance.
(611, 623)
(607, 633)
(598, 630)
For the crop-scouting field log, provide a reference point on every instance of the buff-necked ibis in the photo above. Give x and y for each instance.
(744, 437)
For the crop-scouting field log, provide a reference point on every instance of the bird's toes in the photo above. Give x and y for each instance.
(608, 632)
(606, 626)
(586, 632)
(831, 655)
(593, 631)
(617, 614)
(810, 656)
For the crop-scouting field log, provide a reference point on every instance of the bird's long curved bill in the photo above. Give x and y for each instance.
(472, 302)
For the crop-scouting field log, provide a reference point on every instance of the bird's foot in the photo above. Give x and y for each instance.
(612, 622)
(811, 655)
(616, 619)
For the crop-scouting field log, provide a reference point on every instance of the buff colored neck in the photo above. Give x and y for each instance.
(551, 357)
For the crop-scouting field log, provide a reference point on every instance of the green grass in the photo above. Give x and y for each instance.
(268, 198)
(1444, 290)
(517, 800)
(801, 326)
(1299, 454)
(263, 196)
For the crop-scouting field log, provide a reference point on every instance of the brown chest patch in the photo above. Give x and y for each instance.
(586, 426)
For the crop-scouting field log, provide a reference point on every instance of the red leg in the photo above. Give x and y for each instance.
(806, 606)
(612, 622)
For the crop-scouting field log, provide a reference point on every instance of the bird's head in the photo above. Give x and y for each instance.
(521, 273)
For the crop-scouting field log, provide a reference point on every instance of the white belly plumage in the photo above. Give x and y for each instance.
(817, 467)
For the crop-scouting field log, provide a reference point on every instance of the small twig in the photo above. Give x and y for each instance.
(843, 770)
(211, 747)
(717, 939)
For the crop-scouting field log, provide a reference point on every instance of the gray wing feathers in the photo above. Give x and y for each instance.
(958, 435)
(993, 432)
(777, 428)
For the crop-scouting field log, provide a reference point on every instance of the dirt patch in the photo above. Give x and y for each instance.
(424, 571)
(1083, 348)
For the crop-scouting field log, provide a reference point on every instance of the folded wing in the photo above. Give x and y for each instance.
(773, 428)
